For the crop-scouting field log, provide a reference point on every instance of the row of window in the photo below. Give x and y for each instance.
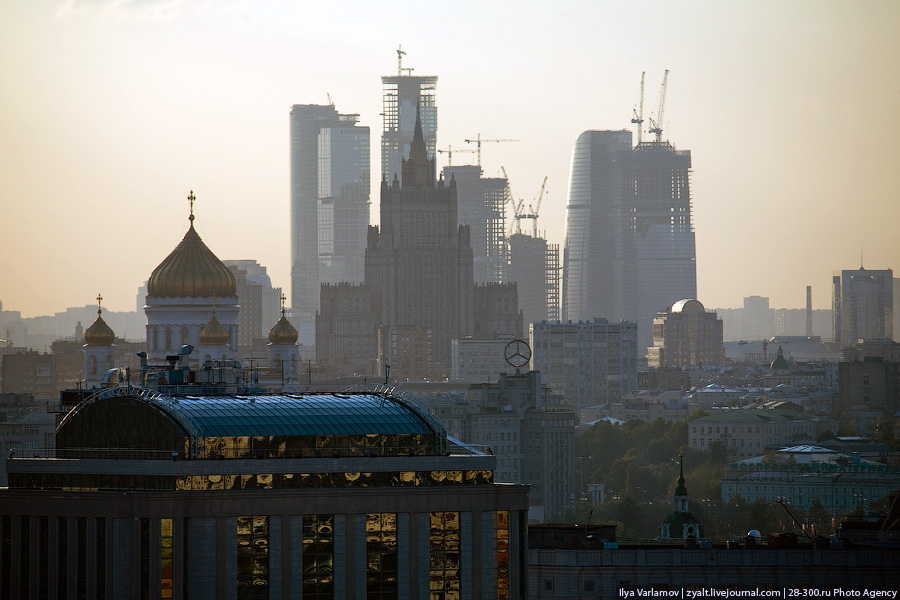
(708, 429)
(252, 550)
(257, 481)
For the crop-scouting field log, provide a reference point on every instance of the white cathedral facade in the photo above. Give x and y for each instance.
(192, 310)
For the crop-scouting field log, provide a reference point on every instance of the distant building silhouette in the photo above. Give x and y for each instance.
(863, 305)
(630, 249)
(758, 319)
(330, 177)
(259, 303)
(534, 267)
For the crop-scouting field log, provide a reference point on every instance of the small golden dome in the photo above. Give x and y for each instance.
(283, 334)
(191, 271)
(214, 333)
(99, 334)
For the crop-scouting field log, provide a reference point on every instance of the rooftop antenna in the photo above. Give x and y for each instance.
(330, 101)
(639, 114)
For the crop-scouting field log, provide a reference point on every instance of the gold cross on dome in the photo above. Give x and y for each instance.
(99, 300)
(191, 199)
(283, 298)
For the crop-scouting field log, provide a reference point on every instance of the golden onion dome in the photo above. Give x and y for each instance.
(283, 334)
(99, 334)
(214, 333)
(191, 271)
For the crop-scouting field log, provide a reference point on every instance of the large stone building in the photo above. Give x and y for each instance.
(745, 433)
(216, 492)
(686, 335)
(801, 475)
(419, 287)
(588, 362)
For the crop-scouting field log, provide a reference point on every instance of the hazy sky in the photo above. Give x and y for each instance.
(112, 111)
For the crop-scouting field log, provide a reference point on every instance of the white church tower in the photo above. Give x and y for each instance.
(99, 351)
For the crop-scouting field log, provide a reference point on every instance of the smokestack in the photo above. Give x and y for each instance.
(809, 329)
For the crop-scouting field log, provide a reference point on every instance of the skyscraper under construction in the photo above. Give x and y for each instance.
(403, 96)
(630, 249)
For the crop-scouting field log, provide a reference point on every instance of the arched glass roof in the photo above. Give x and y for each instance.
(334, 424)
(299, 415)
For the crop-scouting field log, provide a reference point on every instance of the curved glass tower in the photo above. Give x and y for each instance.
(593, 238)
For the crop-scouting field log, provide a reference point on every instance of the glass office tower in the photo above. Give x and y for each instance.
(330, 177)
(593, 229)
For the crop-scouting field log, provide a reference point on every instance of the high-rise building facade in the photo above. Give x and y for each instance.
(534, 267)
(863, 305)
(588, 362)
(659, 255)
(596, 195)
(630, 250)
(330, 177)
(481, 204)
(403, 97)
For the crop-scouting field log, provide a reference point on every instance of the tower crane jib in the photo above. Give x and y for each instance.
(638, 117)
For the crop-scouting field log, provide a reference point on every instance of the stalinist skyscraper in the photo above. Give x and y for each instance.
(419, 292)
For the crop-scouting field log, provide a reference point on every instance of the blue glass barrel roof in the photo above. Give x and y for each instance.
(298, 415)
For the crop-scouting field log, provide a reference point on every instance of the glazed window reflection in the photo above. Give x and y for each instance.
(253, 557)
(166, 557)
(502, 555)
(258, 481)
(381, 554)
(318, 557)
(444, 546)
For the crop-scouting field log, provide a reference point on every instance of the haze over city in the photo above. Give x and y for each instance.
(111, 112)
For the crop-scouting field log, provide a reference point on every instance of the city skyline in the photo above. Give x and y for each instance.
(113, 111)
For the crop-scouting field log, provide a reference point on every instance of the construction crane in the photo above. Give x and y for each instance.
(400, 54)
(517, 207)
(639, 115)
(656, 126)
(450, 150)
(490, 138)
(532, 212)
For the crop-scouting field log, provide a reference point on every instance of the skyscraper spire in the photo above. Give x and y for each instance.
(418, 169)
